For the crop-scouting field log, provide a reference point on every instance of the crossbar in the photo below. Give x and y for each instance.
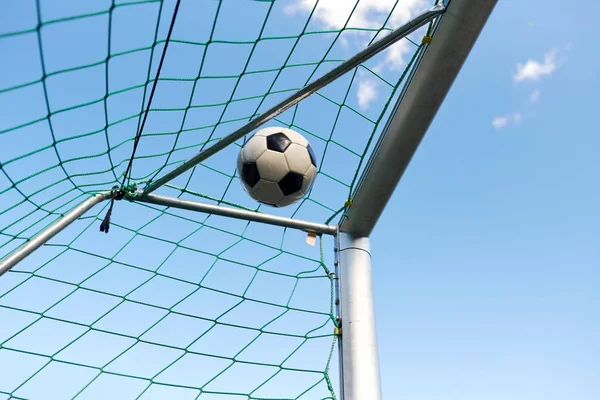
(353, 62)
(453, 39)
(306, 226)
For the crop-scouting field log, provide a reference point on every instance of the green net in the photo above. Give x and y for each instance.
(171, 303)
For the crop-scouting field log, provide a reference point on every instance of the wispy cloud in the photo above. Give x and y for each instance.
(500, 122)
(534, 70)
(531, 70)
(367, 92)
(333, 14)
(505, 120)
(394, 58)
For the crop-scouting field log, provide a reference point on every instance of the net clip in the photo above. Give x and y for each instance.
(116, 193)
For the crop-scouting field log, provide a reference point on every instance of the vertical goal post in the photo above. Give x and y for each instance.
(456, 28)
(454, 36)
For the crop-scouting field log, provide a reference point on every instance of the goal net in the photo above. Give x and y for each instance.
(173, 304)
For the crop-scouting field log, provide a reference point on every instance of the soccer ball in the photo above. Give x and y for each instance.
(277, 166)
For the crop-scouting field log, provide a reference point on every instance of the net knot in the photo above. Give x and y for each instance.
(116, 193)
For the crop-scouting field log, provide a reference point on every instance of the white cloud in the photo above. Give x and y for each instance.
(333, 14)
(535, 96)
(500, 122)
(504, 120)
(534, 70)
(344, 41)
(395, 55)
(367, 92)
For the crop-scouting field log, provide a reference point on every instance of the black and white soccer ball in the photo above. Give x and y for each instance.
(277, 166)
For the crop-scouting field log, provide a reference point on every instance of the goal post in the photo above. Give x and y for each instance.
(337, 72)
(455, 26)
(454, 36)
(145, 194)
(360, 359)
(48, 233)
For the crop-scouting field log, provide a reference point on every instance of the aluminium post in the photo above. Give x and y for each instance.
(453, 39)
(455, 35)
(44, 236)
(351, 63)
(360, 358)
(237, 213)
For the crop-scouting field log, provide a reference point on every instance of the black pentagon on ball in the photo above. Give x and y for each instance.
(291, 183)
(311, 153)
(278, 142)
(250, 173)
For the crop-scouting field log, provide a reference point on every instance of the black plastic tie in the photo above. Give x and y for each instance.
(115, 194)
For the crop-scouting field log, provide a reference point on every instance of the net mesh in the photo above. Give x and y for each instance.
(171, 303)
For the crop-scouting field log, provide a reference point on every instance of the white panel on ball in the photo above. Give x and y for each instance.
(295, 137)
(253, 148)
(309, 178)
(290, 199)
(297, 158)
(272, 166)
(240, 163)
(267, 192)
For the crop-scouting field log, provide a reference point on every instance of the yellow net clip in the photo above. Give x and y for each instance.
(348, 203)
(426, 39)
(337, 331)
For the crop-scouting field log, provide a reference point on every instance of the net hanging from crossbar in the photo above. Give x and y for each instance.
(171, 303)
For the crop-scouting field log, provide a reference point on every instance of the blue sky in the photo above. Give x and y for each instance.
(485, 263)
